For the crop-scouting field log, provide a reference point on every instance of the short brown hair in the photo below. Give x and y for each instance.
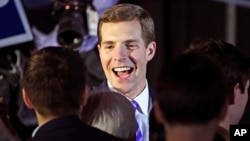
(129, 12)
(55, 80)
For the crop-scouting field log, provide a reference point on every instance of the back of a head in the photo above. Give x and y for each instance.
(235, 64)
(192, 90)
(112, 113)
(55, 80)
(236, 68)
(128, 12)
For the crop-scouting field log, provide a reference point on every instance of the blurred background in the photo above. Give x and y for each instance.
(27, 26)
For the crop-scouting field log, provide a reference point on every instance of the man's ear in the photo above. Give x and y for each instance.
(26, 99)
(98, 47)
(151, 49)
(158, 114)
(236, 91)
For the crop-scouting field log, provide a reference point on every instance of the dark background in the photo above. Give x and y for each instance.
(179, 21)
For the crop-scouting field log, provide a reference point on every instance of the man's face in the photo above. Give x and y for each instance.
(243, 98)
(240, 101)
(124, 56)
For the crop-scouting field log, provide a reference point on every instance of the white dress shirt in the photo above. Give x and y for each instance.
(142, 113)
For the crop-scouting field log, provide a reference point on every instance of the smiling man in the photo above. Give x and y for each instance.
(126, 44)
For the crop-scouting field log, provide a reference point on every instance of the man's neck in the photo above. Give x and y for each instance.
(131, 94)
(225, 123)
(230, 118)
(134, 93)
(44, 119)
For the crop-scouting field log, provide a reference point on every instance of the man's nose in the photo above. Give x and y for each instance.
(120, 53)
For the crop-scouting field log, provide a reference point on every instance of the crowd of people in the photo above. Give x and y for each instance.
(200, 93)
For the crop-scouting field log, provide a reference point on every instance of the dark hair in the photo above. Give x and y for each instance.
(235, 64)
(112, 113)
(55, 80)
(129, 12)
(192, 90)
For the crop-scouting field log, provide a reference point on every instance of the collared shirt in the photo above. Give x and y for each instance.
(142, 114)
(222, 134)
(36, 129)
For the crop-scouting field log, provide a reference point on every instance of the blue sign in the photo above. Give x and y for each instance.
(14, 26)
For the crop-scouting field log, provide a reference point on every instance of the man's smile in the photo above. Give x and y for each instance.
(122, 72)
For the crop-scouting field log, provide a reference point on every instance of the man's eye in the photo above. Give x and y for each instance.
(108, 47)
(131, 46)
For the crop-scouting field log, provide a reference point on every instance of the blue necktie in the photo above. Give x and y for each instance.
(138, 131)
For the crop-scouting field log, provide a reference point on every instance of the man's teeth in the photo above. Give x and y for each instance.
(122, 69)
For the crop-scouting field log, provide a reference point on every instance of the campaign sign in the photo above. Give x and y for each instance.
(240, 132)
(14, 26)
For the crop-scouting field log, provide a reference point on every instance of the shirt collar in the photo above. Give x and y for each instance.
(36, 129)
(142, 99)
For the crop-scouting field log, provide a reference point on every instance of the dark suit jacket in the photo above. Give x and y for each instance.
(70, 128)
(156, 131)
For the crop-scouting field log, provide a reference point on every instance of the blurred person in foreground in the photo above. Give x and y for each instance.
(191, 98)
(54, 85)
(236, 67)
(112, 113)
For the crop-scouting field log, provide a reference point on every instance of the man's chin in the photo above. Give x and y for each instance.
(122, 89)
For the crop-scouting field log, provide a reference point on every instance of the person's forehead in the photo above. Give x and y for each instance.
(130, 23)
(120, 29)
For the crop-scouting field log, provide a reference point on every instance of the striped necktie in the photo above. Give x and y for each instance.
(138, 131)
